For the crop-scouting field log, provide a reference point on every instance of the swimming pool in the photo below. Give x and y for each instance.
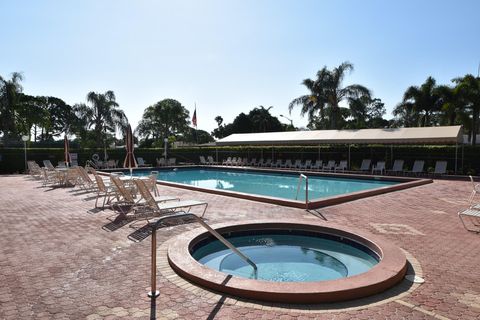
(280, 187)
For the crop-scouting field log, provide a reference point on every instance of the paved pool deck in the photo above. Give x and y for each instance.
(60, 259)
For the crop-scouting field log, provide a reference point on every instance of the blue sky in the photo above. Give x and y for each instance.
(231, 56)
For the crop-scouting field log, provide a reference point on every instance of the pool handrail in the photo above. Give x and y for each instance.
(306, 188)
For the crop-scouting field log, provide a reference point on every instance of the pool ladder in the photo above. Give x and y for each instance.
(154, 293)
(306, 188)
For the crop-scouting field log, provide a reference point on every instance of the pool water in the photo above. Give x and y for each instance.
(278, 185)
(288, 257)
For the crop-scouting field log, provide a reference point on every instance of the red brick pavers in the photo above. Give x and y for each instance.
(61, 260)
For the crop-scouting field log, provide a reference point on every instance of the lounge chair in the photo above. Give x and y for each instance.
(161, 162)
(172, 161)
(169, 207)
(203, 161)
(288, 164)
(417, 167)
(227, 161)
(33, 169)
(397, 166)
(475, 190)
(125, 195)
(297, 164)
(473, 213)
(73, 159)
(379, 167)
(49, 177)
(277, 164)
(317, 165)
(61, 164)
(329, 166)
(268, 163)
(341, 166)
(48, 164)
(84, 181)
(365, 166)
(440, 168)
(210, 161)
(244, 162)
(141, 162)
(307, 165)
(103, 190)
(253, 162)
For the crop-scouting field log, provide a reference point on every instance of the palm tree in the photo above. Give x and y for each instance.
(9, 98)
(103, 115)
(326, 92)
(468, 87)
(425, 101)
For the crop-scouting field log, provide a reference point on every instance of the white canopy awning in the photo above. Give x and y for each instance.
(425, 135)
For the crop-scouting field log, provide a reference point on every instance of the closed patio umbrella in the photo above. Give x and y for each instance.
(66, 151)
(130, 161)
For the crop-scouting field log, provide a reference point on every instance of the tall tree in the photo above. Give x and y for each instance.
(10, 90)
(468, 87)
(326, 93)
(425, 101)
(163, 119)
(102, 114)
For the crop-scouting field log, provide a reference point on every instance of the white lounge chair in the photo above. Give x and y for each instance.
(260, 162)
(379, 167)
(253, 162)
(297, 164)
(317, 165)
(277, 164)
(202, 160)
(365, 166)
(165, 208)
(307, 165)
(210, 161)
(288, 164)
(440, 168)
(227, 161)
(473, 214)
(48, 164)
(329, 166)
(417, 167)
(475, 190)
(397, 166)
(268, 163)
(161, 162)
(341, 166)
(141, 162)
(172, 161)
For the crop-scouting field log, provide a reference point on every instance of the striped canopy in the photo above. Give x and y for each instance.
(130, 161)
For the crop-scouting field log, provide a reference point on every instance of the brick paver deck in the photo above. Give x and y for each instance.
(59, 259)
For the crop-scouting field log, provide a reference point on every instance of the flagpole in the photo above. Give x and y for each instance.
(196, 128)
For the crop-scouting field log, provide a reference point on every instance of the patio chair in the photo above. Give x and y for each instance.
(227, 161)
(260, 162)
(161, 162)
(48, 164)
(49, 177)
(210, 161)
(243, 162)
(297, 164)
(288, 164)
(440, 167)
(172, 161)
(397, 166)
(103, 191)
(473, 214)
(277, 164)
(475, 190)
(165, 208)
(233, 161)
(307, 165)
(141, 162)
(317, 165)
(61, 164)
(341, 166)
(268, 163)
(417, 167)
(329, 166)
(253, 162)
(84, 181)
(379, 167)
(73, 159)
(202, 160)
(33, 169)
(365, 166)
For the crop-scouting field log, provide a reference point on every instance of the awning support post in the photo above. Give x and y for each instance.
(349, 157)
(456, 156)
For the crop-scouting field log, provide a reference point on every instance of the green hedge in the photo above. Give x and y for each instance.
(12, 159)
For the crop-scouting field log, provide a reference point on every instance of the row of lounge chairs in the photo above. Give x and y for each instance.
(366, 166)
(123, 194)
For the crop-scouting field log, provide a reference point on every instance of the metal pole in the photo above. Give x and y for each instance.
(306, 192)
(456, 156)
(272, 155)
(153, 281)
(216, 155)
(349, 156)
(25, 149)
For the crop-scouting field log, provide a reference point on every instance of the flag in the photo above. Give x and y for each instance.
(194, 118)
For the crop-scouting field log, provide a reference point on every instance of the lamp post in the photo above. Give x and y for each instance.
(166, 145)
(25, 139)
(291, 122)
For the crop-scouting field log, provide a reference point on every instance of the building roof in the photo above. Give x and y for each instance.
(424, 135)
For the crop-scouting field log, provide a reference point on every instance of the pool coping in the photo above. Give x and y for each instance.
(406, 182)
(388, 272)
